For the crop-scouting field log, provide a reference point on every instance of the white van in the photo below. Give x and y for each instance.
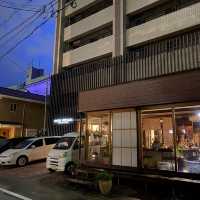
(29, 150)
(65, 153)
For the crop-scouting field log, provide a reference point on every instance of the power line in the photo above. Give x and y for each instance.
(21, 29)
(16, 27)
(22, 9)
(43, 11)
(17, 65)
(20, 41)
(70, 3)
(13, 13)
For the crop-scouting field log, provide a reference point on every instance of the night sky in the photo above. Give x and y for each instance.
(36, 50)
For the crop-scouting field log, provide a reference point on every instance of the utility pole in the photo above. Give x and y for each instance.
(45, 106)
(23, 119)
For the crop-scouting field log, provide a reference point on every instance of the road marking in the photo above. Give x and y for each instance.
(14, 194)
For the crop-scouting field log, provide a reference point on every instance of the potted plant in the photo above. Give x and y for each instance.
(104, 182)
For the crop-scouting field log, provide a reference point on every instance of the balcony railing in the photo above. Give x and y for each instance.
(165, 25)
(92, 50)
(90, 23)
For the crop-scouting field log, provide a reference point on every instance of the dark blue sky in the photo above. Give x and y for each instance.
(36, 50)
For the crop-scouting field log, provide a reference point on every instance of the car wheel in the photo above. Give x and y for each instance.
(70, 169)
(51, 170)
(22, 161)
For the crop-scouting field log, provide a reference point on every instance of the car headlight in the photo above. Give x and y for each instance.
(10, 157)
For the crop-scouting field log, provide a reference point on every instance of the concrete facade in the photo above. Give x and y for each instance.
(122, 37)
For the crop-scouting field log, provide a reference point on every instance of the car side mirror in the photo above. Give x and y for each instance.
(33, 146)
(76, 146)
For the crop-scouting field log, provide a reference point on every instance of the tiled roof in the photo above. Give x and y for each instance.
(19, 94)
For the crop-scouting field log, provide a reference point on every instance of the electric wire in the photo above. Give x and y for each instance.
(21, 29)
(14, 4)
(13, 13)
(45, 9)
(16, 27)
(21, 9)
(72, 3)
(15, 63)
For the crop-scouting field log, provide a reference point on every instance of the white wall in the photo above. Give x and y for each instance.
(92, 22)
(89, 51)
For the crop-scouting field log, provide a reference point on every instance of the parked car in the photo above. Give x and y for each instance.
(6, 144)
(65, 153)
(29, 150)
(2, 139)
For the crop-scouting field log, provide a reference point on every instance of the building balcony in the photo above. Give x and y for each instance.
(92, 50)
(80, 4)
(90, 23)
(132, 6)
(182, 19)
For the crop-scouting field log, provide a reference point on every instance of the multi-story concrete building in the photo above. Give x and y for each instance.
(96, 28)
(131, 69)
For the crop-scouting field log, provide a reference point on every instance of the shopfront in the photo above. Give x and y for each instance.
(169, 135)
(150, 125)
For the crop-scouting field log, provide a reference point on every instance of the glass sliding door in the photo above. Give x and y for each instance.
(188, 139)
(99, 137)
(158, 140)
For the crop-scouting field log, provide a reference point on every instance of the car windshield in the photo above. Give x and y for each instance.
(64, 143)
(23, 144)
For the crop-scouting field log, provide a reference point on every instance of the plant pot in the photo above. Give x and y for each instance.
(105, 186)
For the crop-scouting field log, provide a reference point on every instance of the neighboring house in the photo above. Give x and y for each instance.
(21, 113)
(130, 72)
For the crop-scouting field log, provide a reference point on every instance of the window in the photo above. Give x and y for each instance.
(99, 137)
(52, 140)
(38, 143)
(168, 147)
(13, 107)
(64, 143)
(157, 137)
(188, 139)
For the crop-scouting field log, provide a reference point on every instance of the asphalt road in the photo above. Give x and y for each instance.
(7, 197)
(36, 183)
